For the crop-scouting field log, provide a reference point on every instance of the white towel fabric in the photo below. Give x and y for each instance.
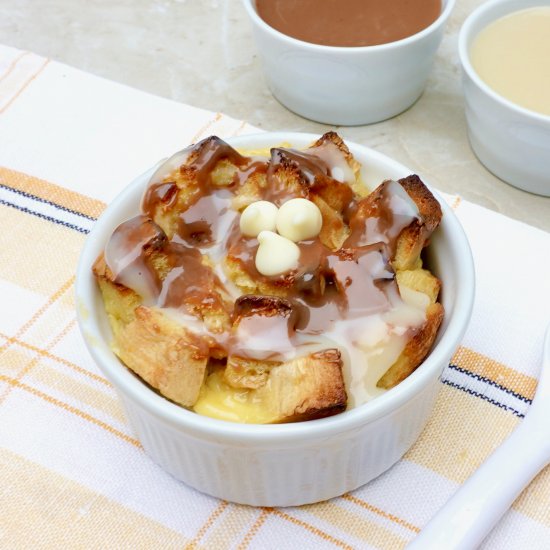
(72, 473)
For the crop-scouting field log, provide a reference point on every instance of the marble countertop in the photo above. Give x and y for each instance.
(202, 53)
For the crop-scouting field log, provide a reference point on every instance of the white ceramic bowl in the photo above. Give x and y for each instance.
(347, 85)
(511, 141)
(286, 464)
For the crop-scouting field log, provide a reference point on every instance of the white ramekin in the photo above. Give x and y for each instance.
(511, 141)
(286, 464)
(342, 85)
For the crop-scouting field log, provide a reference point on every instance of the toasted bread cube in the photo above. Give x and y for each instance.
(250, 191)
(333, 231)
(414, 238)
(416, 349)
(420, 280)
(120, 302)
(162, 352)
(164, 201)
(297, 389)
(428, 205)
(339, 148)
(306, 388)
(410, 243)
(332, 138)
(235, 271)
(286, 177)
(179, 191)
(212, 306)
(248, 284)
(335, 194)
(223, 174)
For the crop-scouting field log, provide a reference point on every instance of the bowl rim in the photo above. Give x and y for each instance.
(321, 48)
(224, 431)
(465, 39)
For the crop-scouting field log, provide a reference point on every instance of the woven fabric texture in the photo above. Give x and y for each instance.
(72, 473)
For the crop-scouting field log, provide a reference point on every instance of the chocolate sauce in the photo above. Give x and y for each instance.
(310, 166)
(136, 250)
(209, 215)
(310, 169)
(381, 216)
(129, 252)
(260, 321)
(189, 284)
(326, 287)
(202, 223)
(358, 274)
(207, 154)
(349, 22)
(164, 193)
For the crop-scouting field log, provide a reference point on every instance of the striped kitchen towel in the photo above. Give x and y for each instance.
(73, 475)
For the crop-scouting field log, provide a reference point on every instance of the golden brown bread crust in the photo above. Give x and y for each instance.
(333, 231)
(334, 138)
(358, 188)
(429, 207)
(305, 388)
(168, 357)
(120, 302)
(250, 191)
(181, 189)
(214, 312)
(288, 175)
(416, 349)
(182, 193)
(279, 286)
(415, 237)
(419, 280)
(408, 267)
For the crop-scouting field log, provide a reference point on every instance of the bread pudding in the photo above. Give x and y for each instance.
(272, 286)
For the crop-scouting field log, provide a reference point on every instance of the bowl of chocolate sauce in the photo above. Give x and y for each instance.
(347, 62)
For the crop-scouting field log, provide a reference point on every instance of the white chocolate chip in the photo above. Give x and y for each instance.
(299, 219)
(258, 216)
(276, 254)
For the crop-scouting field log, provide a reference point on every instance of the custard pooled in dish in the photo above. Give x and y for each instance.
(272, 286)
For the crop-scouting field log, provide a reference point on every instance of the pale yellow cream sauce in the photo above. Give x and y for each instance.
(512, 56)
